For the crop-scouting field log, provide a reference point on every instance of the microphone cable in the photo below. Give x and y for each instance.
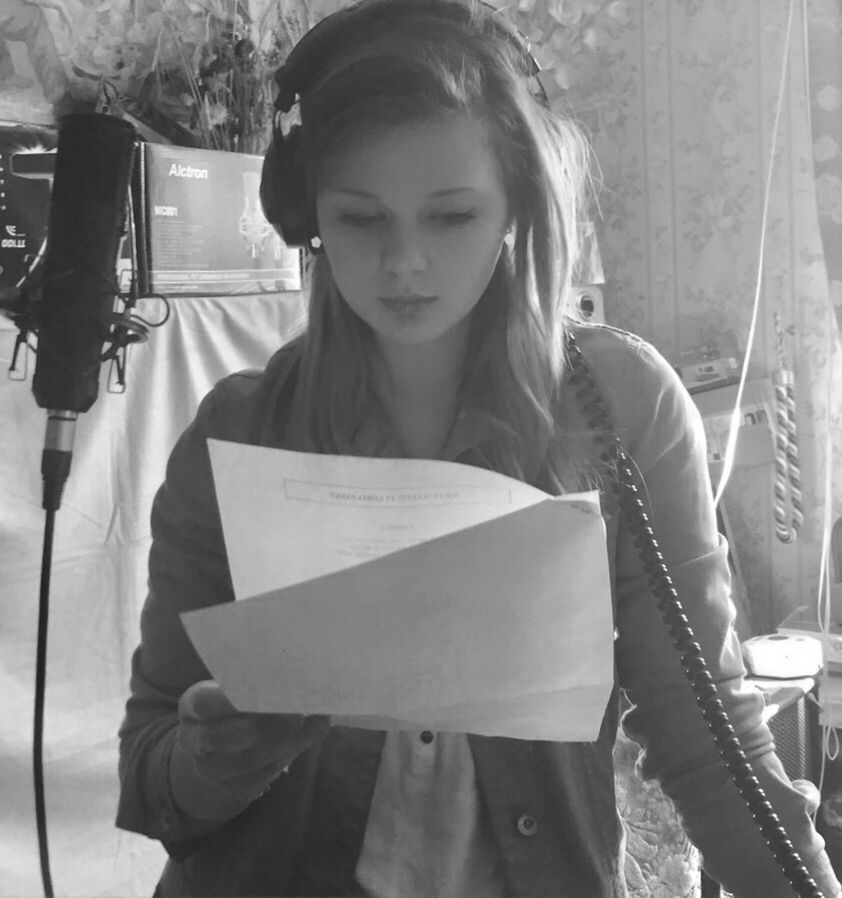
(38, 712)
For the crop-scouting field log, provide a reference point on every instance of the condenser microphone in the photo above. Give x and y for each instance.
(86, 222)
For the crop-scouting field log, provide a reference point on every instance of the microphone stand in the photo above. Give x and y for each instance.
(22, 306)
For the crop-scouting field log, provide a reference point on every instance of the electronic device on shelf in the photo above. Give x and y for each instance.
(709, 365)
(709, 375)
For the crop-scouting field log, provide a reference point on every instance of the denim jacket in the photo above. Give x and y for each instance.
(304, 835)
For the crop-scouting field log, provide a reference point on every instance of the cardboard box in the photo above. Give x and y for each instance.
(201, 229)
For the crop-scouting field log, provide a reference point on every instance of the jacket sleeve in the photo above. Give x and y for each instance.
(662, 431)
(187, 569)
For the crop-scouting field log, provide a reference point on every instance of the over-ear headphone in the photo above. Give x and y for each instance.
(283, 182)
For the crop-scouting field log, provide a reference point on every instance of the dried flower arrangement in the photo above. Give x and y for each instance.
(199, 72)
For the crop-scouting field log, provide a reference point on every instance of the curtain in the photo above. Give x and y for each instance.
(825, 72)
(98, 585)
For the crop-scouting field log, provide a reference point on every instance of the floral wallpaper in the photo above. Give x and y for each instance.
(679, 98)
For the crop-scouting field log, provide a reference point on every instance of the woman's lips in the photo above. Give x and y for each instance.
(407, 305)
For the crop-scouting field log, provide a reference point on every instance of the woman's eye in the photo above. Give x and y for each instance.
(360, 219)
(455, 217)
(357, 219)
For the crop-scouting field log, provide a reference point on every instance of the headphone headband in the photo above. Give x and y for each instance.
(308, 57)
(282, 187)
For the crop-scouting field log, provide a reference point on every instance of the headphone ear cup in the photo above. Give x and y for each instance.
(283, 189)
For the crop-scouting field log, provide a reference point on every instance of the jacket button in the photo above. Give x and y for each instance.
(527, 825)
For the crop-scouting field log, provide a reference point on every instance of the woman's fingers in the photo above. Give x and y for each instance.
(230, 736)
(244, 746)
(252, 785)
(294, 727)
(228, 746)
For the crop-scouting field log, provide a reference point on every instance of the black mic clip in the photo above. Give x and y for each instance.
(20, 304)
(25, 323)
(127, 328)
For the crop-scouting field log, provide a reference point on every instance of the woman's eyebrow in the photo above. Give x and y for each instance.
(451, 190)
(365, 194)
(351, 191)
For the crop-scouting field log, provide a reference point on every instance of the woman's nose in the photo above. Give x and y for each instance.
(404, 250)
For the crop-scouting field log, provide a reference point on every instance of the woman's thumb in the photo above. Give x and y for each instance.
(205, 699)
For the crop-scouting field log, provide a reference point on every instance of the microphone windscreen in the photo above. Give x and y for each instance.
(86, 223)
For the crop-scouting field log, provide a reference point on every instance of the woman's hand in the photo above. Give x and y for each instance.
(223, 759)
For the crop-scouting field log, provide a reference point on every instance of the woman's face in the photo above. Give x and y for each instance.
(412, 221)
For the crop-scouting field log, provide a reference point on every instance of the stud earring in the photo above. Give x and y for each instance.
(509, 238)
(315, 245)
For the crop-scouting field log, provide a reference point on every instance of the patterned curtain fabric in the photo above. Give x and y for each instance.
(825, 72)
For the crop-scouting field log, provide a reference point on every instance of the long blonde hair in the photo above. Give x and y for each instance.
(420, 66)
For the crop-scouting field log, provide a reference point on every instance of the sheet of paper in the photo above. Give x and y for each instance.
(523, 717)
(501, 625)
(290, 516)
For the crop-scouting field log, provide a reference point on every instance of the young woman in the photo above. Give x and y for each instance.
(441, 198)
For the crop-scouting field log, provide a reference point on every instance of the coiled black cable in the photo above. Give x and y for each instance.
(630, 490)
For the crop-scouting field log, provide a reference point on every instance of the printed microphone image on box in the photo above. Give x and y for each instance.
(205, 231)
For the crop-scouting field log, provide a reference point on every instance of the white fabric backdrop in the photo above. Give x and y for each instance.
(98, 585)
